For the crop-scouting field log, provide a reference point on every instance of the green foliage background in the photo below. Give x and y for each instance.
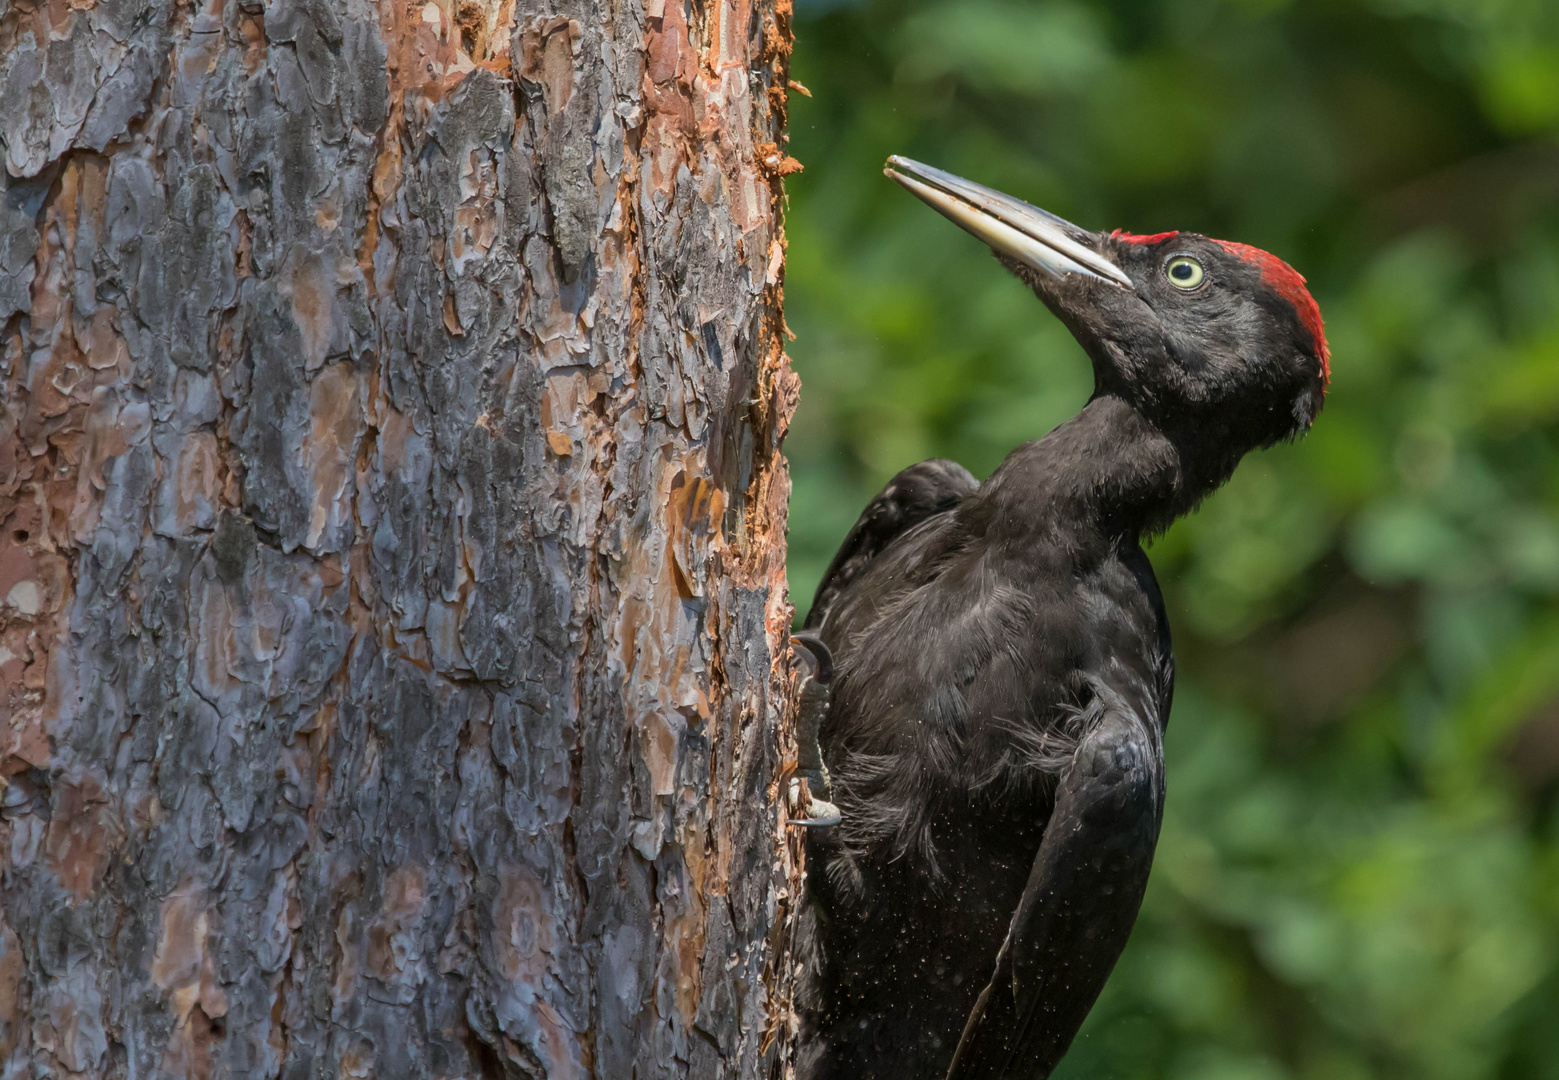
(1359, 871)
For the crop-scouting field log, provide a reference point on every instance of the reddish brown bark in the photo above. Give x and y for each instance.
(392, 608)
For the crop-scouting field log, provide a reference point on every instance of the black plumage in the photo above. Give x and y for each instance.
(1003, 670)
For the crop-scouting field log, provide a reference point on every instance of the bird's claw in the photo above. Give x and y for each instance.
(819, 812)
(817, 665)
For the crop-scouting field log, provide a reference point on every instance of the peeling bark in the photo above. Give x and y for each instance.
(392, 612)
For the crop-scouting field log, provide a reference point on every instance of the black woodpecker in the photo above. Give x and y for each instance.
(988, 665)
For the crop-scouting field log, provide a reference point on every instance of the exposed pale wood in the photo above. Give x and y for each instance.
(392, 607)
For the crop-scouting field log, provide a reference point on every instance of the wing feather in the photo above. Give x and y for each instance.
(915, 494)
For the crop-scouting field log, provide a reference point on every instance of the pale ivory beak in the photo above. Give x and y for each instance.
(1010, 226)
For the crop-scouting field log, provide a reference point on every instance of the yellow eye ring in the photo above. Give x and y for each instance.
(1184, 272)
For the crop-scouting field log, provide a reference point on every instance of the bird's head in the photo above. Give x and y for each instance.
(1191, 330)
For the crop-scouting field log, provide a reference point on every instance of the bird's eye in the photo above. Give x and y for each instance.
(1184, 272)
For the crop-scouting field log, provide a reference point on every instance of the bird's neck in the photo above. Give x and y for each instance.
(1109, 472)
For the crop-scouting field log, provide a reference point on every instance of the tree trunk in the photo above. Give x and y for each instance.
(392, 612)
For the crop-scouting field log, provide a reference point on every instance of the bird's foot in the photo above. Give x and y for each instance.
(809, 792)
(814, 812)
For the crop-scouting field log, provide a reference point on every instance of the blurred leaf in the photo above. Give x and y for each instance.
(994, 45)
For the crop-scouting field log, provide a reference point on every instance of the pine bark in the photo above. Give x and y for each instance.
(392, 611)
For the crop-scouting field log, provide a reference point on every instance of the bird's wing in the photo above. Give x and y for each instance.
(1080, 902)
(915, 494)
